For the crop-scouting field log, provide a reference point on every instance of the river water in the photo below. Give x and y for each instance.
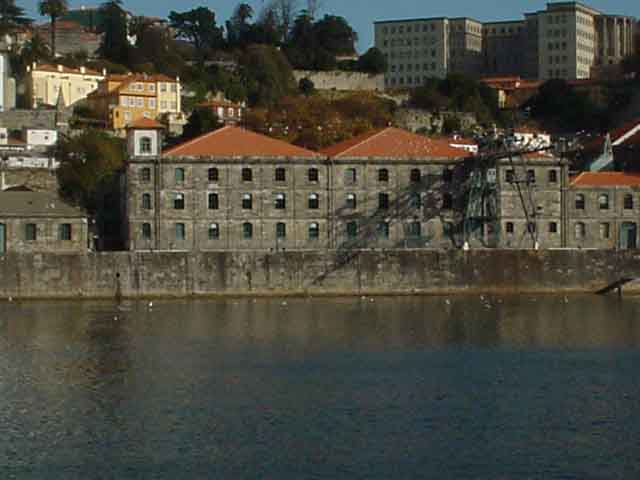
(384, 388)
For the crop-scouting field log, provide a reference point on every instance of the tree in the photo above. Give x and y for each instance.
(284, 11)
(197, 26)
(335, 35)
(34, 50)
(11, 16)
(306, 86)
(373, 61)
(266, 74)
(54, 9)
(115, 44)
(238, 27)
(88, 162)
(201, 121)
(313, 7)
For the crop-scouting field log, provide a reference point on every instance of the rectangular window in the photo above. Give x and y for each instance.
(214, 231)
(604, 231)
(146, 201)
(181, 231)
(509, 176)
(213, 201)
(509, 228)
(352, 229)
(247, 201)
(351, 202)
(247, 175)
(281, 175)
(553, 227)
(415, 229)
(30, 232)
(179, 173)
(64, 231)
(312, 175)
(314, 231)
(383, 201)
(281, 230)
(178, 201)
(531, 176)
(383, 175)
(383, 229)
(146, 231)
(350, 176)
(212, 175)
(145, 174)
(280, 201)
(152, 103)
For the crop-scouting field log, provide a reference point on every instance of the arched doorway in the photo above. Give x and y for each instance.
(628, 236)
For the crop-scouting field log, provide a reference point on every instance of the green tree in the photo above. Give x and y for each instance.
(306, 86)
(115, 44)
(54, 9)
(11, 16)
(238, 26)
(372, 61)
(197, 26)
(201, 121)
(266, 74)
(34, 50)
(335, 35)
(88, 162)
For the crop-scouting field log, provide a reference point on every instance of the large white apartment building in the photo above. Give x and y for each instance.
(567, 40)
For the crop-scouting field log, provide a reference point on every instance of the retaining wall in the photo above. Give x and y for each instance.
(129, 274)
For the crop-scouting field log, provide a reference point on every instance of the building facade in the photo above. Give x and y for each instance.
(121, 100)
(48, 84)
(567, 40)
(40, 222)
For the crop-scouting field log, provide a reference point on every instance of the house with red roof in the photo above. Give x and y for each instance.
(618, 149)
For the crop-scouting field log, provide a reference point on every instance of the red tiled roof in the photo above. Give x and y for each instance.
(617, 134)
(54, 68)
(237, 142)
(394, 143)
(145, 124)
(606, 179)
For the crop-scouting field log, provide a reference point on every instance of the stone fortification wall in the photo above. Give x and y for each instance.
(339, 80)
(131, 274)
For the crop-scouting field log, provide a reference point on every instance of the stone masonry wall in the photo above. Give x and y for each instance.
(339, 80)
(107, 275)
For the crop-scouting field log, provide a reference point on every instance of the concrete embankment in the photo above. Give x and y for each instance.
(179, 274)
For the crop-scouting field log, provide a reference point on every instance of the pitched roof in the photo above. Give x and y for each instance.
(62, 69)
(145, 124)
(628, 134)
(233, 141)
(394, 143)
(606, 179)
(36, 204)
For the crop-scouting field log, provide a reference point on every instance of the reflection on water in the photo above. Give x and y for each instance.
(533, 387)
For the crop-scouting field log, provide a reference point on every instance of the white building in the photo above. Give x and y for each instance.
(45, 83)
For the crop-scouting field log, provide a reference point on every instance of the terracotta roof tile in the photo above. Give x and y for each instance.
(54, 68)
(237, 142)
(606, 179)
(394, 143)
(145, 124)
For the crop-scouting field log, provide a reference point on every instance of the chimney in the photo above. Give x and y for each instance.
(60, 68)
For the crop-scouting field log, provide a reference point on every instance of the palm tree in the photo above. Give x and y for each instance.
(34, 50)
(11, 16)
(54, 9)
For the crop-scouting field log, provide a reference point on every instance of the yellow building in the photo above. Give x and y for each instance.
(123, 99)
(46, 82)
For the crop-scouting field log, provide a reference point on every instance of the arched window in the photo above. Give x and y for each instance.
(350, 176)
(145, 174)
(247, 201)
(314, 201)
(145, 145)
(280, 201)
(214, 231)
(247, 174)
(314, 231)
(181, 231)
(628, 202)
(553, 176)
(351, 201)
(603, 201)
(509, 229)
(178, 201)
(579, 201)
(146, 201)
(179, 172)
(247, 231)
(580, 230)
(281, 230)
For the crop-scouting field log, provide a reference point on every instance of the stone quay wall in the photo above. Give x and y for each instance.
(181, 274)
